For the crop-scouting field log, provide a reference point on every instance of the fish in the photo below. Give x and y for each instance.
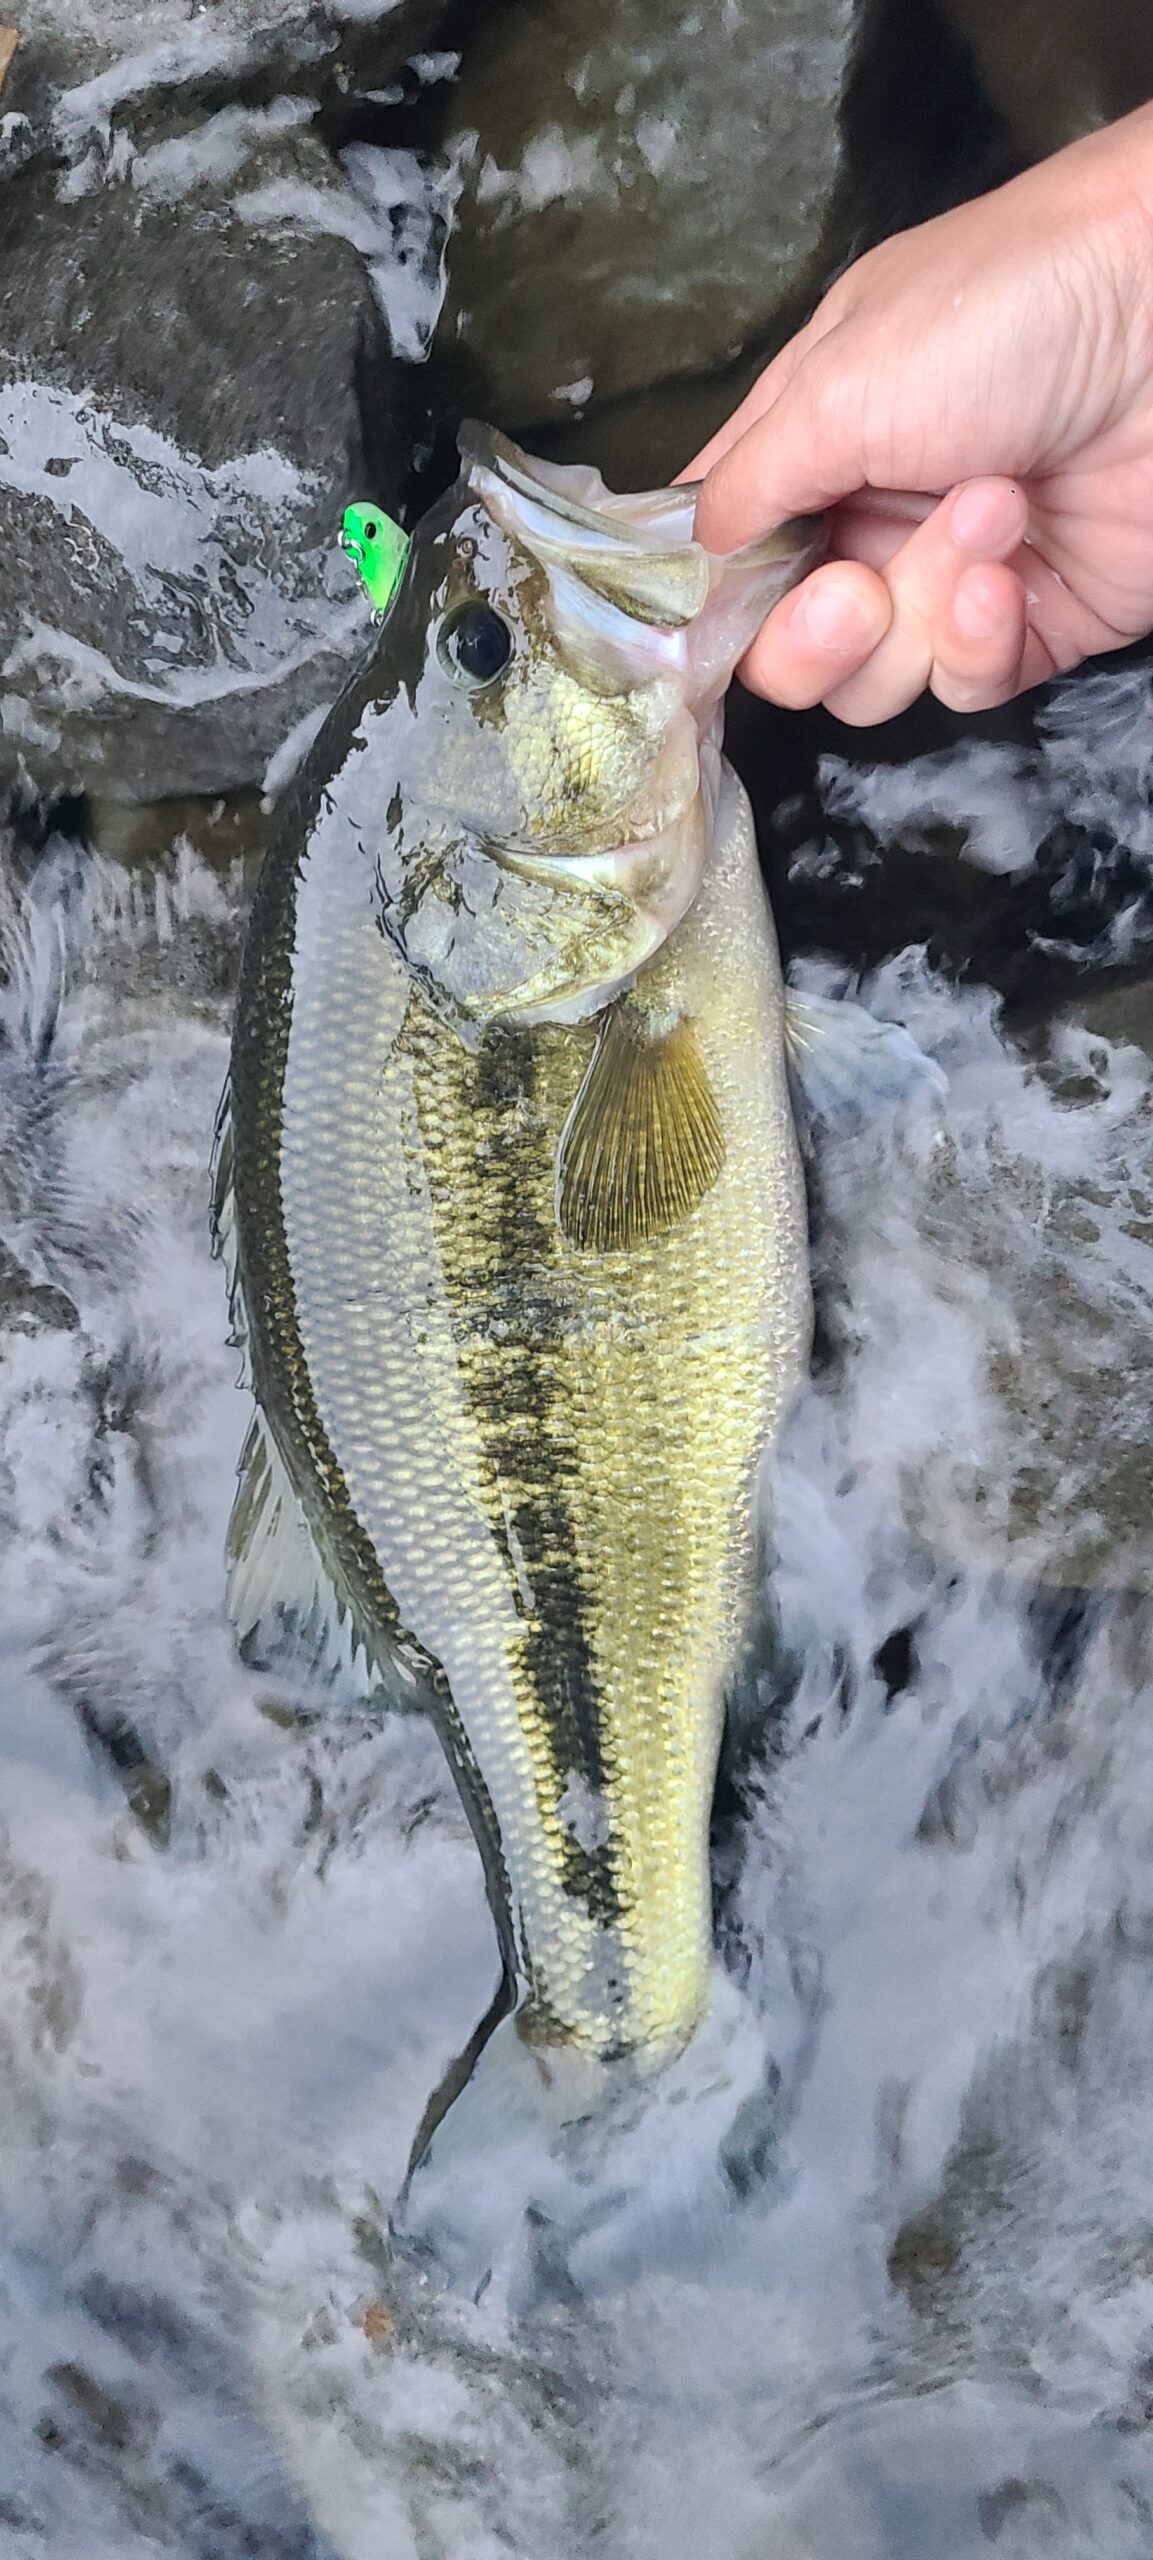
(509, 1188)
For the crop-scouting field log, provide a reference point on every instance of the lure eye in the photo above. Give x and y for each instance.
(475, 645)
(370, 532)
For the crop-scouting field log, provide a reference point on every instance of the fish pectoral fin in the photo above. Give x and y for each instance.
(643, 1142)
(845, 1065)
(279, 1594)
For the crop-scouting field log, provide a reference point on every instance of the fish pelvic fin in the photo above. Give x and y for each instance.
(847, 1066)
(643, 1142)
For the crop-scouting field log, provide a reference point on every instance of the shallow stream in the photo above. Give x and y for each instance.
(241, 1937)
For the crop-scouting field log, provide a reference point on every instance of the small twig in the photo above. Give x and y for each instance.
(9, 39)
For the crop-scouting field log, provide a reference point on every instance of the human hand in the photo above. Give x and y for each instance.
(1002, 355)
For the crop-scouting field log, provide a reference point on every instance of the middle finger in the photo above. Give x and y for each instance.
(983, 520)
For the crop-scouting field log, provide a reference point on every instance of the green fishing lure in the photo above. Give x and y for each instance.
(378, 550)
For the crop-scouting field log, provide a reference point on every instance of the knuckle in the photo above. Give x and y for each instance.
(967, 693)
(862, 707)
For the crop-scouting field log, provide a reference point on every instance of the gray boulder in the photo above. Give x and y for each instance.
(180, 432)
(645, 185)
(83, 66)
(1059, 68)
(200, 309)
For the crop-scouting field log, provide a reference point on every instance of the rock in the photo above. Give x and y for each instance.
(204, 317)
(179, 409)
(646, 186)
(32, 1306)
(1058, 68)
(82, 65)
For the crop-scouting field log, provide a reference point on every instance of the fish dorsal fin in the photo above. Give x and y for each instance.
(634, 566)
(643, 1142)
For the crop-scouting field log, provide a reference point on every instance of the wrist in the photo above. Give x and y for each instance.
(1100, 198)
(1115, 174)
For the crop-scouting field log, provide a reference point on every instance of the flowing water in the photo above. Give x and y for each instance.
(242, 1933)
(242, 1927)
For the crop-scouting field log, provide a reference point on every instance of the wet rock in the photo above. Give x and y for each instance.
(918, 133)
(147, 1788)
(1017, 847)
(204, 312)
(1123, 1015)
(1059, 68)
(221, 832)
(973, 2464)
(179, 431)
(83, 68)
(142, 2438)
(646, 186)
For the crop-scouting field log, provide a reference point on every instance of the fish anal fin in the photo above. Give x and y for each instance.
(279, 1594)
(643, 1143)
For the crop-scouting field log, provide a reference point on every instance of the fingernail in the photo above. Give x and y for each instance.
(838, 618)
(978, 610)
(986, 515)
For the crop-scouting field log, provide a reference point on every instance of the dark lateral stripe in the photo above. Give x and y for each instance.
(491, 1245)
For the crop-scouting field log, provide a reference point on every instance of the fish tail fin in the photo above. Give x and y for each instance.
(544, 2169)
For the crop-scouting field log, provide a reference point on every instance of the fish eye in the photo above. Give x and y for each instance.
(474, 644)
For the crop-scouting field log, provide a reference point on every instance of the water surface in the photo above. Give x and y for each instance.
(240, 1937)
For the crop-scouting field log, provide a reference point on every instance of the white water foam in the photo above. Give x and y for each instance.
(240, 1940)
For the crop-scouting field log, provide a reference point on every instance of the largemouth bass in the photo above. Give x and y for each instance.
(511, 1195)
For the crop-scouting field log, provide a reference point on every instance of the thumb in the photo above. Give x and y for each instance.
(767, 388)
(801, 453)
